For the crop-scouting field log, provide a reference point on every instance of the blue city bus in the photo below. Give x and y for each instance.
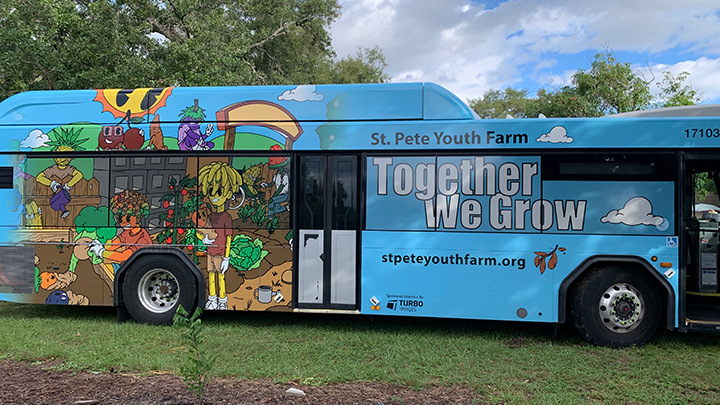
(379, 199)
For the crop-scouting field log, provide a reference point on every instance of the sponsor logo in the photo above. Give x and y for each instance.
(405, 305)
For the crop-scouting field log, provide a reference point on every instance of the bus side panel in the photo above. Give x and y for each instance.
(442, 274)
(482, 275)
(487, 237)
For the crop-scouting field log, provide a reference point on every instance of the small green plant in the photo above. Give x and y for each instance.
(245, 212)
(196, 373)
(272, 225)
(259, 216)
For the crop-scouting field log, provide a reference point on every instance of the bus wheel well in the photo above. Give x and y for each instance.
(162, 261)
(632, 264)
(616, 306)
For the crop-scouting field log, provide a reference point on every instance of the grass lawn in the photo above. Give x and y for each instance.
(506, 362)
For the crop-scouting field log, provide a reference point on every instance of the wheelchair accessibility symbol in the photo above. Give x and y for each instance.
(672, 241)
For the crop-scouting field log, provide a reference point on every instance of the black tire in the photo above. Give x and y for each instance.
(154, 287)
(616, 307)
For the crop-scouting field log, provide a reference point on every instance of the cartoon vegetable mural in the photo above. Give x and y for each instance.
(183, 205)
(87, 229)
(266, 192)
(190, 136)
(246, 253)
(62, 140)
(115, 136)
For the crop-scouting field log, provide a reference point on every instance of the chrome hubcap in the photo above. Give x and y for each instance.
(158, 290)
(621, 308)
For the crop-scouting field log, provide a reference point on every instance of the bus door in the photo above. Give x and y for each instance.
(701, 209)
(328, 222)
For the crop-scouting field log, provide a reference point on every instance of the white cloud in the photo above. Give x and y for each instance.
(469, 48)
(301, 93)
(557, 134)
(35, 139)
(637, 211)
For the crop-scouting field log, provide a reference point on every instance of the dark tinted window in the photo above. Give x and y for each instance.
(606, 166)
(6, 177)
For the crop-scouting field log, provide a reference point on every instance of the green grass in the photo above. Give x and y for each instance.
(504, 362)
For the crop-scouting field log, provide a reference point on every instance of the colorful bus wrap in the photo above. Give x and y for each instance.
(384, 199)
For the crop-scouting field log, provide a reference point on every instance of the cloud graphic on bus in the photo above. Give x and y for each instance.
(637, 211)
(558, 134)
(35, 139)
(301, 93)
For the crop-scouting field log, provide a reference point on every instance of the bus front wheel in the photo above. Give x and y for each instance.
(616, 307)
(155, 286)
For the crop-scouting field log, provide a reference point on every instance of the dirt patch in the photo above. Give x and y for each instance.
(39, 384)
(516, 343)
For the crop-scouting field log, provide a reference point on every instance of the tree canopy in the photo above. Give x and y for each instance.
(75, 44)
(675, 93)
(607, 87)
(500, 103)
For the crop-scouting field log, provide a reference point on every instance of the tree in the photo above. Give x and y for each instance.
(499, 104)
(611, 87)
(46, 44)
(607, 87)
(367, 65)
(674, 92)
(75, 44)
(565, 102)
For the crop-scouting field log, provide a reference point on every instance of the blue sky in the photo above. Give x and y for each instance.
(473, 46)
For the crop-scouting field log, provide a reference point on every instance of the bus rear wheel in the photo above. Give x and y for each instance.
(616, 307)
(155, 286)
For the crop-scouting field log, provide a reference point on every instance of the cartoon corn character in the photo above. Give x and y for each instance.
(218, 181)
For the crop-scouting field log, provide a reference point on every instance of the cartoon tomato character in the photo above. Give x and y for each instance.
(111, 137)
(134, 138)
(115, 136)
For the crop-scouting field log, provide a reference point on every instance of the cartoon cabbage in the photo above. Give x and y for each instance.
(246, 253)
(92, 222)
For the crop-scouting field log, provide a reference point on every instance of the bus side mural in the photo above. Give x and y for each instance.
(246, 240)
(89, 215)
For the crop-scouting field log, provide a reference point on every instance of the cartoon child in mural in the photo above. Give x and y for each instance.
(66, 140)
(189, 135)
(129, 208)
(218, 181)
(87, 229)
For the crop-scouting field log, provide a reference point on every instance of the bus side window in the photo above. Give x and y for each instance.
(6, 177)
